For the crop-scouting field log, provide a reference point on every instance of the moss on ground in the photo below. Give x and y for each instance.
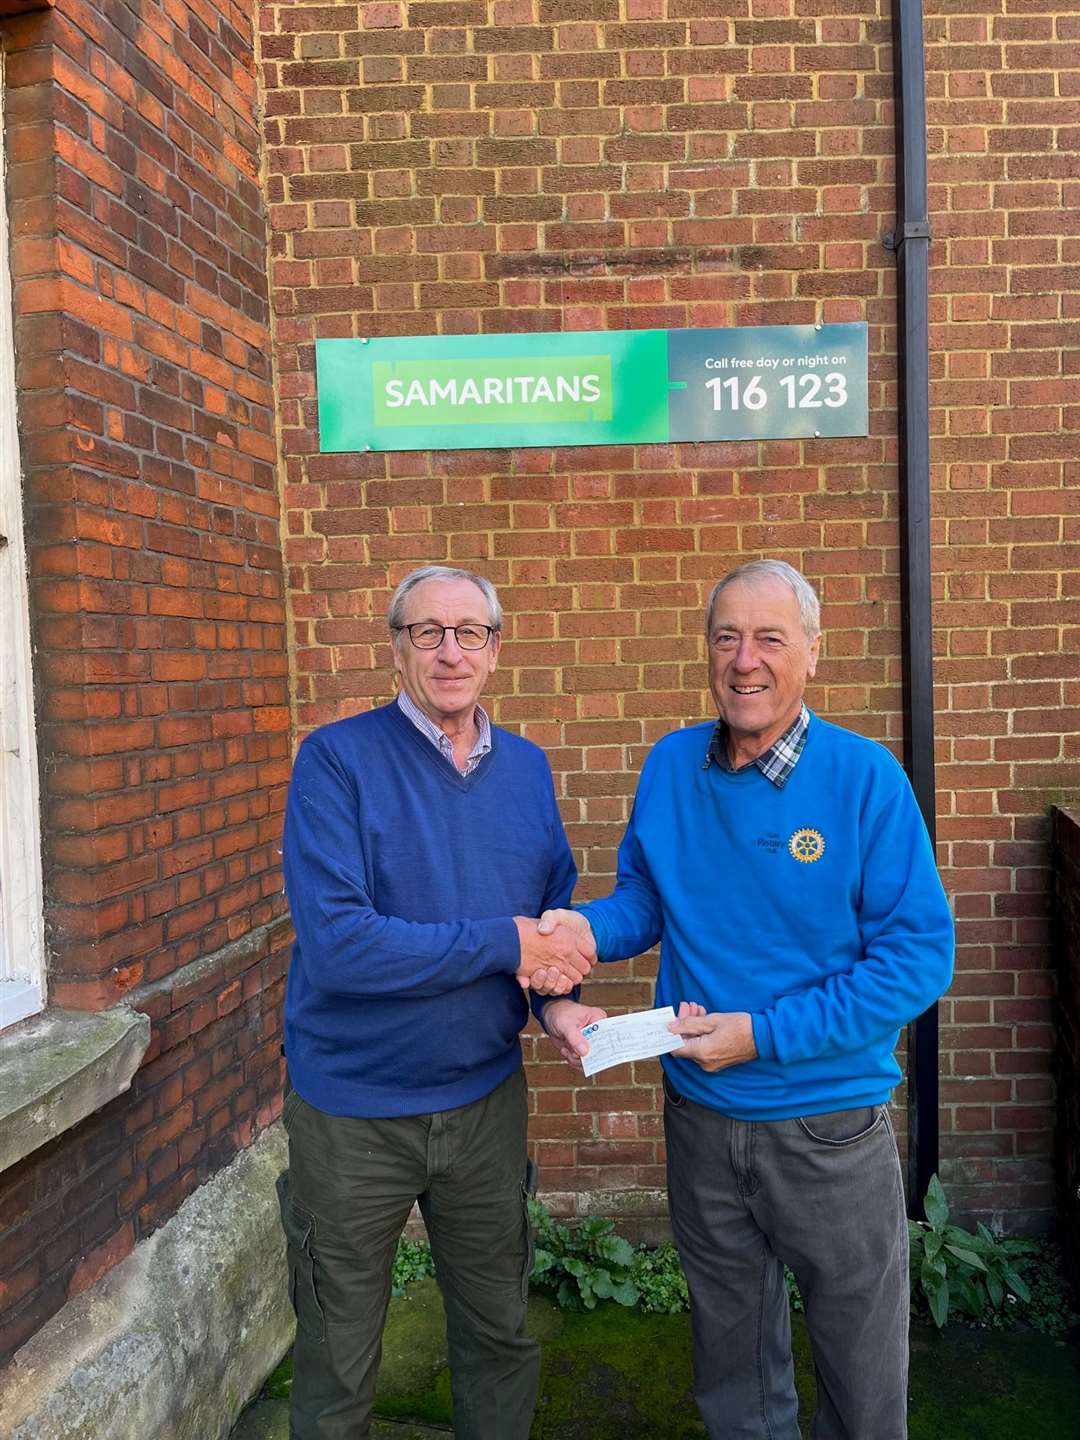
(616, 1374)
(989, 1385)
(414, 1382)
(613, 1373)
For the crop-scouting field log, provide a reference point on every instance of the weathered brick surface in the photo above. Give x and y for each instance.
(138, 254)
(534, 164)
(1005, 301)
(210, 1082)
(146, 420)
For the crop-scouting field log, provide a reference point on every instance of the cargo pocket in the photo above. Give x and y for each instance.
(528, 1192)
(288, 1107)
(299, 1227)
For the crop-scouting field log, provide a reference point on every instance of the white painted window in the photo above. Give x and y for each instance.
(22, 943)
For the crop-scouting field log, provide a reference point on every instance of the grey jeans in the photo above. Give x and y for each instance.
(822, 1194)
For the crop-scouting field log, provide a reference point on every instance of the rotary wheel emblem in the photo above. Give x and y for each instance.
(807, 846)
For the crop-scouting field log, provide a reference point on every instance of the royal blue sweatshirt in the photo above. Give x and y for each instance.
(817, 908)
(403, 877)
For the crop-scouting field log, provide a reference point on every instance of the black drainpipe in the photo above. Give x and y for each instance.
(911, 242)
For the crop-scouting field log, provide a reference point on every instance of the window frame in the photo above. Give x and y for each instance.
(22, 927)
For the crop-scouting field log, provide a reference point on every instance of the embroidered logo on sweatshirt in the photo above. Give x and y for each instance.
(806, 846)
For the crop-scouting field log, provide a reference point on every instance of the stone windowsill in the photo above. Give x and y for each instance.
(59, 1067)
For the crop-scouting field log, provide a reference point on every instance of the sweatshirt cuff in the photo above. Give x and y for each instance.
(597, 925)
(763, 1040)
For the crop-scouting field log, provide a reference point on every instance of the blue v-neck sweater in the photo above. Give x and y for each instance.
(816, 908)
(403, 877)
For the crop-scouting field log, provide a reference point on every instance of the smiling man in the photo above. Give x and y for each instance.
(418, 838)
(784, 866)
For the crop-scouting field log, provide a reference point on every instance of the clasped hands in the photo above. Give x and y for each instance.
(556, 954)
(713, 1041)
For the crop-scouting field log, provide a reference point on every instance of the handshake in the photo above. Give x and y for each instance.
(557, 951)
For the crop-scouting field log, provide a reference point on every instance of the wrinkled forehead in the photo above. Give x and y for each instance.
(447, 601)
(757, 602)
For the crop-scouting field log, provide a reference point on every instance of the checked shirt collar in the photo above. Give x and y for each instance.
(440, 740)
(776, 763)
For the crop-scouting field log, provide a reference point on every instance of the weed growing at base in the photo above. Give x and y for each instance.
(990, 1282)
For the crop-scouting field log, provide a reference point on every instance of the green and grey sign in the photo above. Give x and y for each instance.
(593, 387)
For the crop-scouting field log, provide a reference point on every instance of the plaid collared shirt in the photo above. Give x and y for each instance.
(776, 763)
(441, 741)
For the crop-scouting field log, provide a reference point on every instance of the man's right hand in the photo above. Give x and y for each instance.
(564, 1020)
(572, 919)
(555, 959)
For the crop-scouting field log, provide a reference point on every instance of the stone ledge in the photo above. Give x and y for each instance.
(61, 1066)
(176, 1338)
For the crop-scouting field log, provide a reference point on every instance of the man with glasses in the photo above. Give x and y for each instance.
(418, 839)
(784, 867)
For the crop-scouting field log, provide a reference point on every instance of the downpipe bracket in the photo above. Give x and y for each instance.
(913, 230)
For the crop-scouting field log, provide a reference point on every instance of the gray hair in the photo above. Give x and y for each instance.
(805, 594)
(395, 615)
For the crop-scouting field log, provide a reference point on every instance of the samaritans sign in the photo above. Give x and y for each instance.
(600, 387)
(540, 391)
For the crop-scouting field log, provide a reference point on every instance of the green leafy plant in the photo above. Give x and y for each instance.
(974, 1278)
(1053, 1306)
(953, 1268)
(660, 1279)
(412, 1262)
(584, 1263)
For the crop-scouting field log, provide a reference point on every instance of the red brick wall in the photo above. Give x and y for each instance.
(458, 167)
(1003, 113)
(138, 253)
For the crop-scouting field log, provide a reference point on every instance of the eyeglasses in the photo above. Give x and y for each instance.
(427, 635)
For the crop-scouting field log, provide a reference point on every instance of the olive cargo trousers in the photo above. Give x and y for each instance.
(345, 1198)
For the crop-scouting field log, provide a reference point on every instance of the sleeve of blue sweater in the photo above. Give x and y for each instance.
(350, 948)
(907, 941)
(630, 920)
(557, 897)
